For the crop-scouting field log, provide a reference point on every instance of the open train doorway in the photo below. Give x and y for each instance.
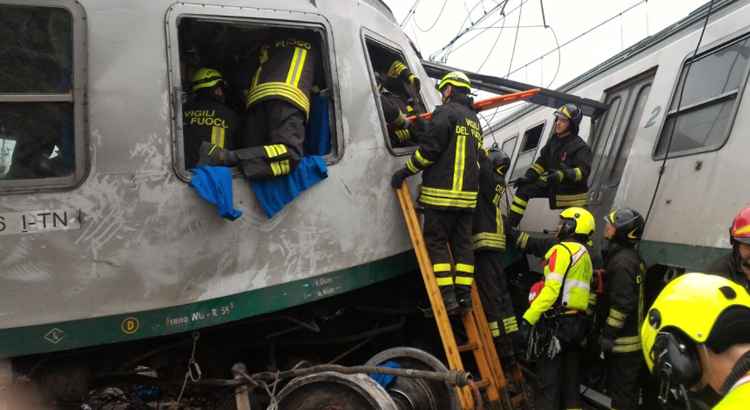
(612, 141)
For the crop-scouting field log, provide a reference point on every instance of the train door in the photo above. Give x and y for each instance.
(613, 139)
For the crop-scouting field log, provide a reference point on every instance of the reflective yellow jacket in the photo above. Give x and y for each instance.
(738, 398)
(565, 257)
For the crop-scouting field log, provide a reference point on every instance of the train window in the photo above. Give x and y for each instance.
(41, 95)
(712, 83)
(236, 112)
(531, 139)
(509, 146)
(605, 135)
(396, 95)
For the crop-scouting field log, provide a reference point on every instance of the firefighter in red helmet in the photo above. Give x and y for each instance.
(736, 265)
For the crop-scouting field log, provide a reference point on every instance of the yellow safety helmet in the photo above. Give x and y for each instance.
(456, 79)
(206, 78)
(576, 221)
(684, 315)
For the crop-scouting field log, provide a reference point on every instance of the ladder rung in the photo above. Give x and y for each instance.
(481, 384)
(468, 347)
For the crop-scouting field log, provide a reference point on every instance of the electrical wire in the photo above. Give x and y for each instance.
(442, 9)
(559, 56)
(674, 126)
(410, 13)
(451, 49)
(579, 36)
(515, 41)
(489, 53)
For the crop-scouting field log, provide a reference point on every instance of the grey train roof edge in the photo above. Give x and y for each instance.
(694, 17)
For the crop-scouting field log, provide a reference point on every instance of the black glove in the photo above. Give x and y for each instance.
(524, 331)
(606, 343)
(414, 81)
(212, 154)
(398, 178)
(555, 176)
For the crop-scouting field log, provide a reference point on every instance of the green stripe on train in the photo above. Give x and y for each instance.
(159, 322)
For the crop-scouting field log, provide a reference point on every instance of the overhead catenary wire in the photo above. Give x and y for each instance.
(626, 10)
(410, 13)
(515, 40)
(434, 23)
(674, 125)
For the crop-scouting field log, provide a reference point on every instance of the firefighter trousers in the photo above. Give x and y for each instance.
(559, 379)
(445, 233)
(493, 292)
(274, 135)
(624, 379)
(542, 189)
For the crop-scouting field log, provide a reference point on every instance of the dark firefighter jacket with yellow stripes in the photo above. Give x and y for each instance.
(447, 154)
(207, 120)
(286, 71)
(488, 233)
(624, 292)
(570, 154)
(395, 111)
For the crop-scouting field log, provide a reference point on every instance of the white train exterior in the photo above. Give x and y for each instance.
(704, 181)
(123, 249)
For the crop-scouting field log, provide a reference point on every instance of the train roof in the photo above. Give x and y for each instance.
(695, 16)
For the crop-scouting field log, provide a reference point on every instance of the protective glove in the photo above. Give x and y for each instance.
(524, 331)
(212, 154)
(555, 176)
(606, 343)
(398, 178)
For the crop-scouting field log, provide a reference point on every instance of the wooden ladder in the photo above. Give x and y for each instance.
(492, 379)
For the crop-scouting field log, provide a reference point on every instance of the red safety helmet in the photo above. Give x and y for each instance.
(740, 230)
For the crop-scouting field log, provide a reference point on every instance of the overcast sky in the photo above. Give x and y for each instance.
(436, 22)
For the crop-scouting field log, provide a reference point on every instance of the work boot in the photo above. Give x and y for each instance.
(463, 294)
(449, 299)
(211, 154)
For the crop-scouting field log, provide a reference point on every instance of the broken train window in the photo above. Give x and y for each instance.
(256, 89)
(41, 95)
(398, 92)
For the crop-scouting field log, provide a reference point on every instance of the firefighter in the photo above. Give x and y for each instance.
(395, 110)
(697, 334)
(620, 339)
(556, 321)
(207, 118)
(488, 241)
(401, 81)
(448, 155)
(736, 265)
(561, 171)
(278, 105)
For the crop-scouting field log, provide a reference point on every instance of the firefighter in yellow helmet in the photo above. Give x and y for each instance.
(697, 333)
(278, 106)
(561, 172)
(556, 321)
(206, 118)
(448, 156)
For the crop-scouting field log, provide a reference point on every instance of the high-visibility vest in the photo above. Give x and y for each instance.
(567, 281)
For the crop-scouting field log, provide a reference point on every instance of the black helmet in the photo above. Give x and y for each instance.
(499, 159)
(572, 113)
(628, 224)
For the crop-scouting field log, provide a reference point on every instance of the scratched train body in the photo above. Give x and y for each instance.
(102, 239)
(703, 182)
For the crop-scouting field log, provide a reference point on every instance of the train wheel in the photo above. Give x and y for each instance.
(417, 394)
(334, 391)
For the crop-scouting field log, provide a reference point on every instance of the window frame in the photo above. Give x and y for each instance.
(543, 123)
(366, 35)
(515, 143)
(248, 16)
(77, 97)
(703, 52)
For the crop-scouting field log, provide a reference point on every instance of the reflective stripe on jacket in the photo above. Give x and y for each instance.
(567, 262)
(624, 283)
(447, 154)
(488, 230)
(286, 72)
